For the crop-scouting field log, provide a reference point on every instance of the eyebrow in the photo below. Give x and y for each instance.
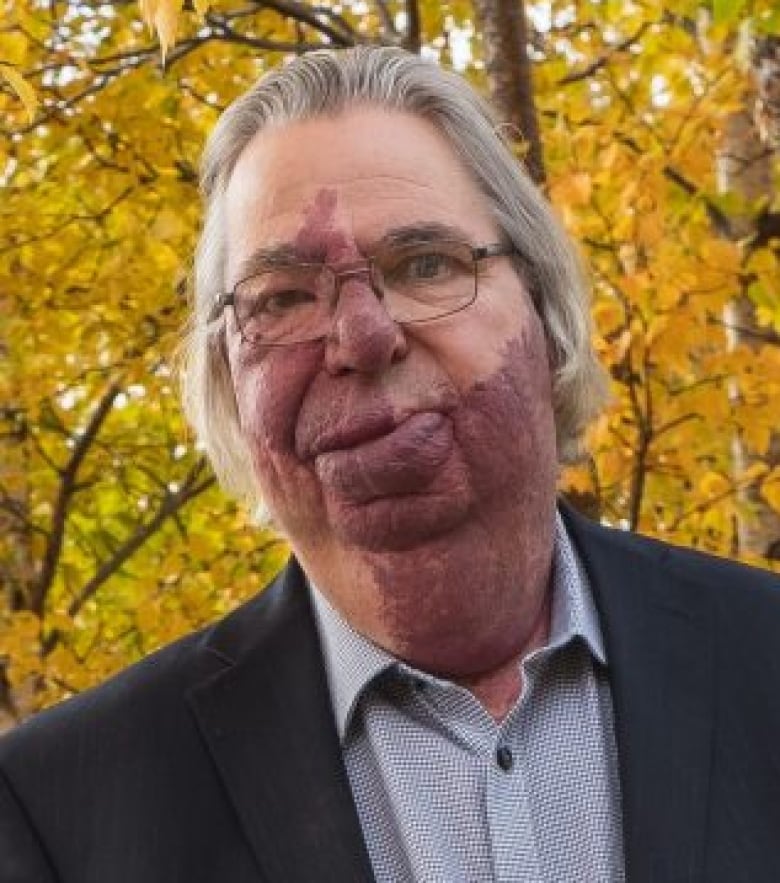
(286, 253)
(429, 231)
(266, 258)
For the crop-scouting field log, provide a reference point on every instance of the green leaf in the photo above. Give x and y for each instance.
(727, 11)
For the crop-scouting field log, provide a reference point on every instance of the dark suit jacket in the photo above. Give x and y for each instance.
(216, 759)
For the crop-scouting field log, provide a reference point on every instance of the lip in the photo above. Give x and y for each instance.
(404, 461)
(352, 432)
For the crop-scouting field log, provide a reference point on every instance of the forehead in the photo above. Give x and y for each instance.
(384, 168)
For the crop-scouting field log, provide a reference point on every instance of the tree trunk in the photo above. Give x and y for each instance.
(751, 141)
(17, 560)
(504, 29)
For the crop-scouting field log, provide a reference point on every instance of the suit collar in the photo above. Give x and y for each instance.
(265, 716)
(658, 633)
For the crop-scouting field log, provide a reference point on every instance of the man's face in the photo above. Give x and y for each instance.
(381, 437)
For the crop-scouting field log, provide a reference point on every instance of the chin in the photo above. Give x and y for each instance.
(397, 524)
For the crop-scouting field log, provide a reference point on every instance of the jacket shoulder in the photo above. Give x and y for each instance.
(735, 591)
(138, 701)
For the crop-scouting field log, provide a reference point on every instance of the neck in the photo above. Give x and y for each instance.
(467, 607)
(499, 689)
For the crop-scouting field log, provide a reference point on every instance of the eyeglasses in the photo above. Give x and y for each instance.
(294, 303)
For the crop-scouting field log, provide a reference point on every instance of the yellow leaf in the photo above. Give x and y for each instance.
(713, 484)
(608, 315)
(756, 470)
(15, 47)
(578, 479)
(201, 7)
(148, 617)
(149, 12)
(162, 16)
(572, 190)
(657, 326)
(168, 226)
(770, 489)
(650, 229)
(22, 88)
(757, 436)
(721, 254)
(166, 20)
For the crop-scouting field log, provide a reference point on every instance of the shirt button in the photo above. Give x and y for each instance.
(504, 758)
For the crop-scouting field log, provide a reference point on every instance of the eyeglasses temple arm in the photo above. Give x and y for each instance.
(222, 301)
(498, 249)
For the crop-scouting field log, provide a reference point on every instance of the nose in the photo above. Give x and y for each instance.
(363, 337)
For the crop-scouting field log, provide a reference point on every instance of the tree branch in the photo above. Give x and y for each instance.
(387, 20)
(192, 486)
(6, 694)
(413, 36)
(228, 35)
(64, 495)
(767, 336)
(603, 60)
(309, 15)
(644, 422)
(720, 221)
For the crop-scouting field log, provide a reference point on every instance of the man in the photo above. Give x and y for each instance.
(450, 681)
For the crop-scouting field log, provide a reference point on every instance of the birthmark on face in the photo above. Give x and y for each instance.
(496, 559)
(319, 238)
(281, 376)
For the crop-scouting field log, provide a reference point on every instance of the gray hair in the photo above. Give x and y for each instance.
(326, 83)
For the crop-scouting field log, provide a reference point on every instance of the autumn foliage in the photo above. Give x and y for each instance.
(113, 536)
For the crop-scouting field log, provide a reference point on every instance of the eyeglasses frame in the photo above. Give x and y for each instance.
(478, 253)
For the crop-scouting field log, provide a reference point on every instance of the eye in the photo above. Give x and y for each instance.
(424, 265)
(280, 303)
(428, 266)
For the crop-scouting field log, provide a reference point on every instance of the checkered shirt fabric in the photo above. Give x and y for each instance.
(447, 795)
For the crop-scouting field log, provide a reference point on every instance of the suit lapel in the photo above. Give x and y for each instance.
(267, 721)
(658, 635)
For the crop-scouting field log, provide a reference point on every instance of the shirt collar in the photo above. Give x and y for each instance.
(574, 613)
(353, 662)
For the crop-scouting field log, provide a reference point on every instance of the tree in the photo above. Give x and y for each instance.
(667, 259)
(747, 153)
(504, 29)
(112, 536)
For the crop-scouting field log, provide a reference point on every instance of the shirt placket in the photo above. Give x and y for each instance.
(508, 810)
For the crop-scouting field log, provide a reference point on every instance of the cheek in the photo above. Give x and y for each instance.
(479, 344)
(507, 424)
(269, 391)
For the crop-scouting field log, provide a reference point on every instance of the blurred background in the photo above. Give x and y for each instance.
(653, 127)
